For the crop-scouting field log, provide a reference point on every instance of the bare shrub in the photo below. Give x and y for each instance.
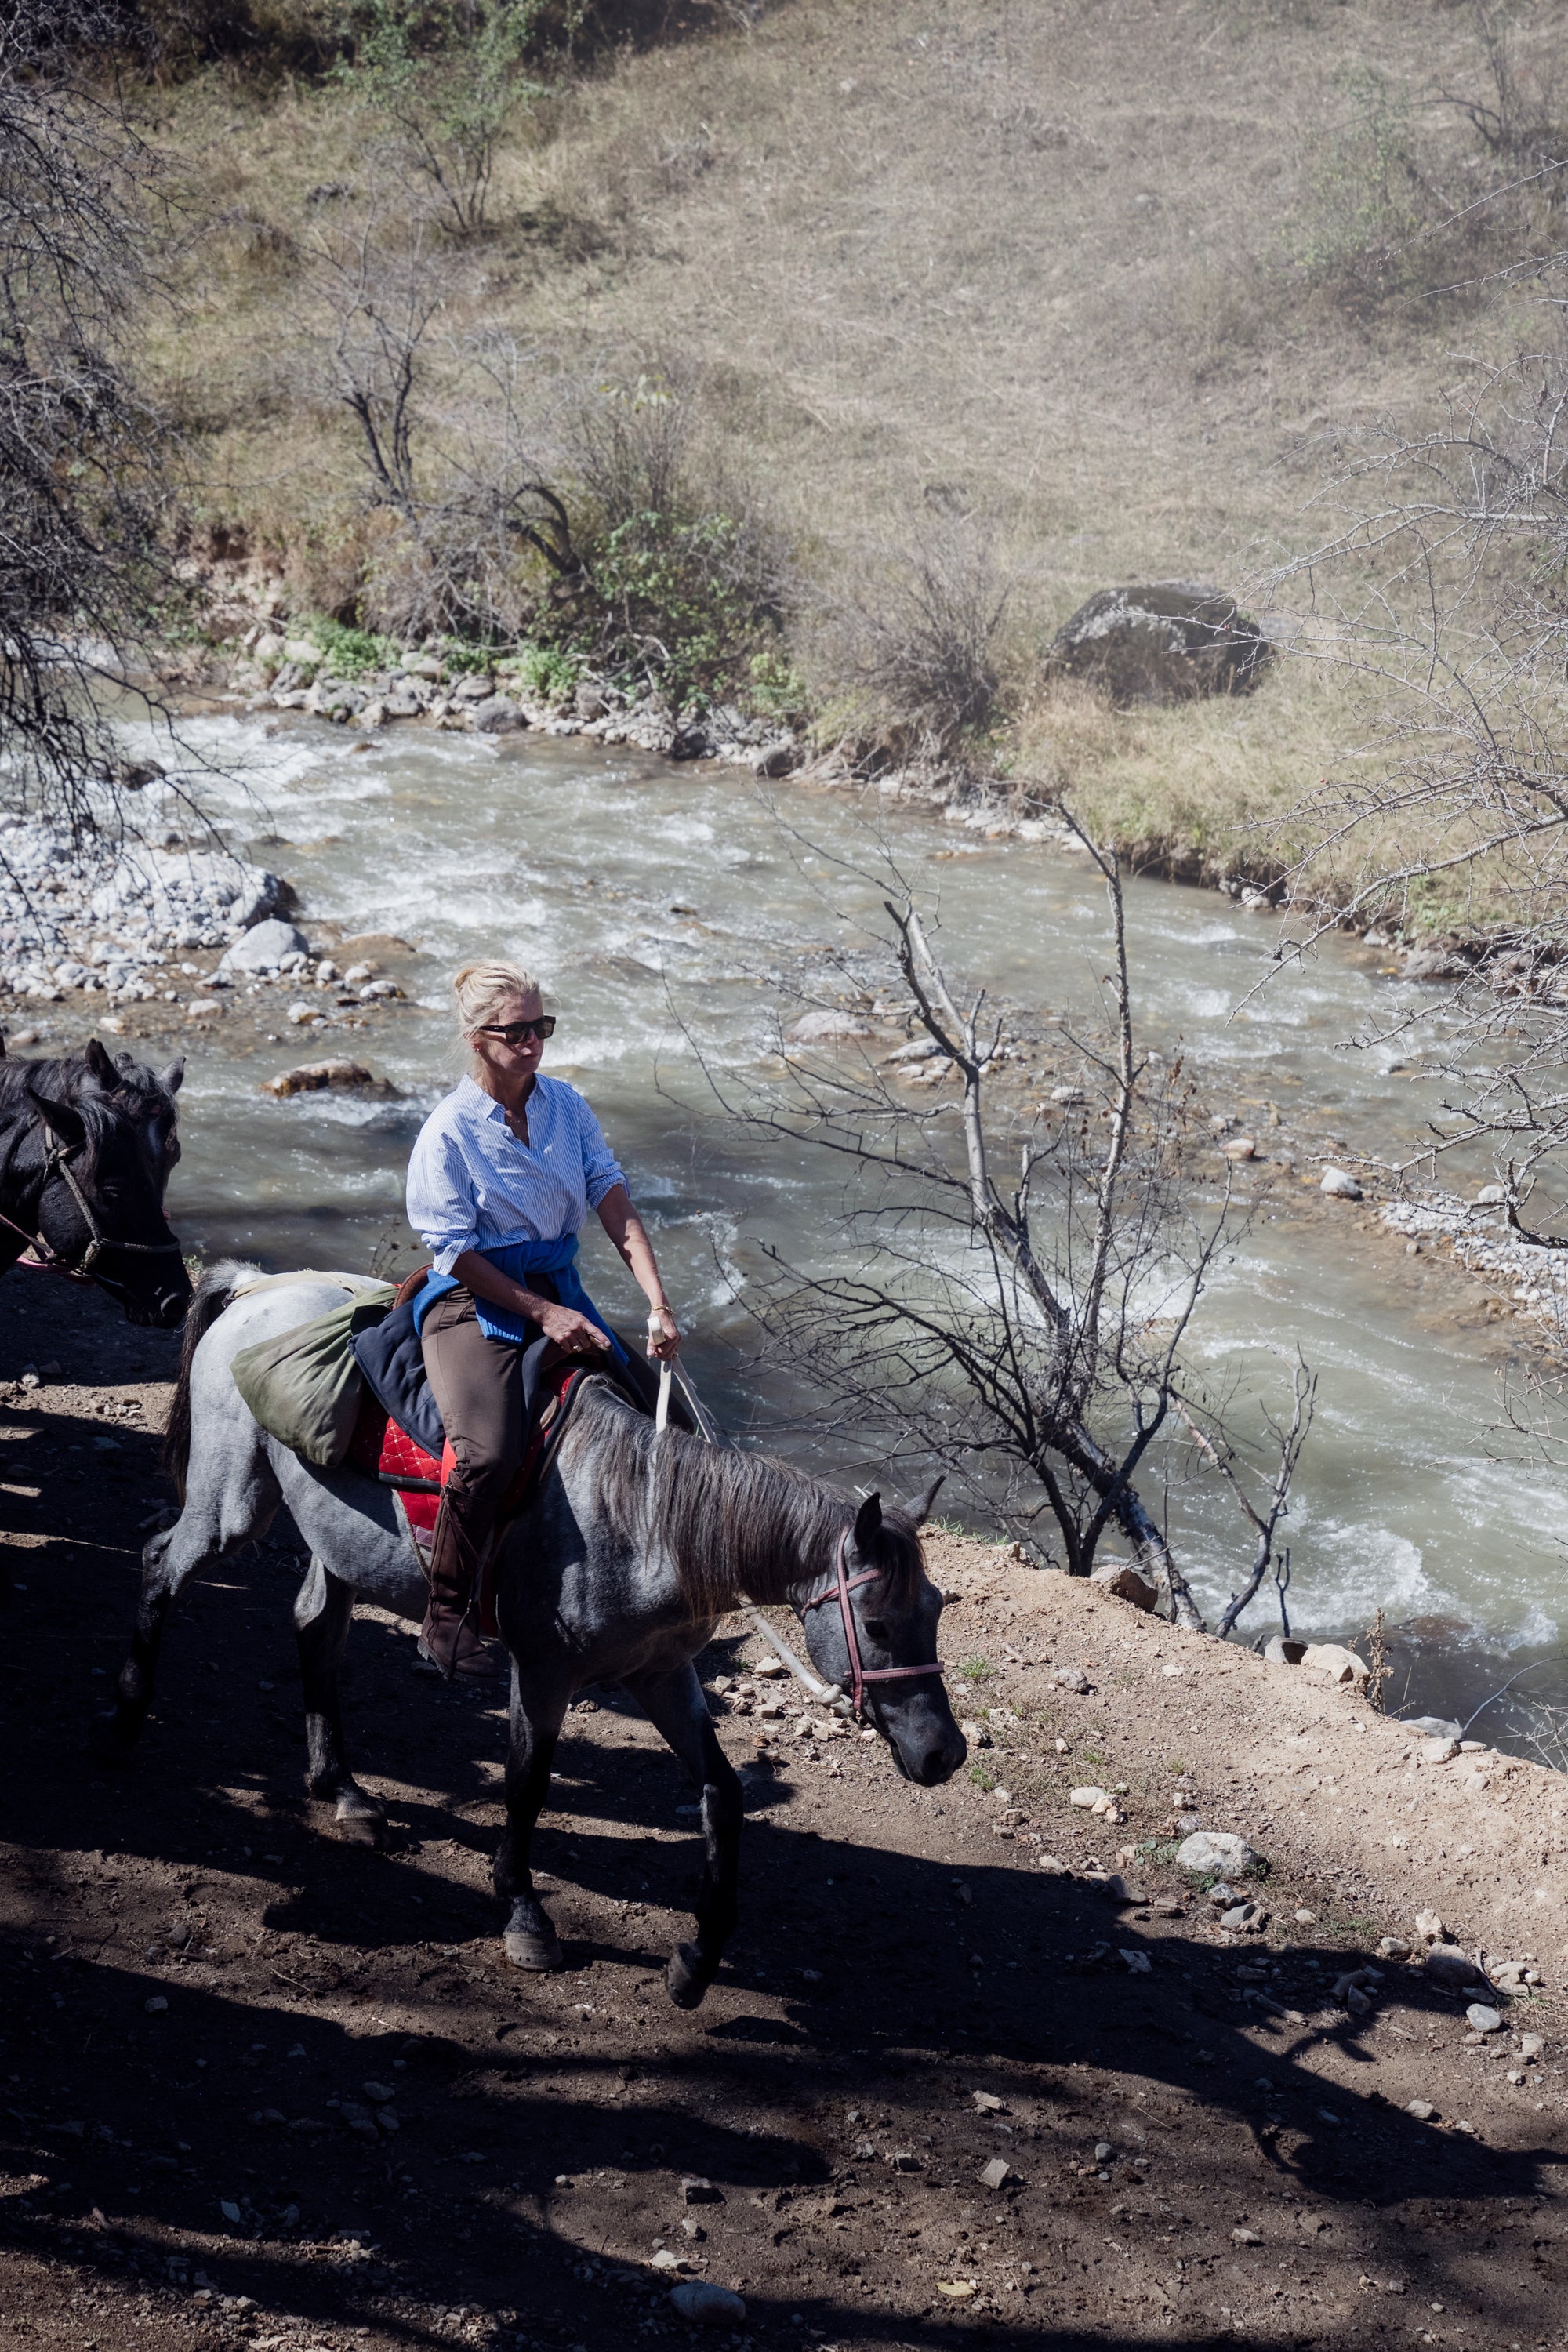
(916, 650)
(1022, 1279)
(82, 455)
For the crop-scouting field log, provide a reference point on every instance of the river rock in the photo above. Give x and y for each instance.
(824, 1026)
(1240, 1147)
(497, 716)
(264, 947)
(1333, 1659)
(1447, 1966)
(1245, 1919)
(1481, 2018)
(1278, 1651)
(1072, 1678)
(310, 1077)
(1436, 1751)
(707, 2303)
(1219, 1851)
(1339, 1185)
(1127, 1583)
(1433, 963)
(1162, 642)
(1436, 1726)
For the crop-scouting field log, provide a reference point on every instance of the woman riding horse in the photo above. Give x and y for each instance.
(502, 1175)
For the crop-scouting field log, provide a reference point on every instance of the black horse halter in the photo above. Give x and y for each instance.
(57, 1163)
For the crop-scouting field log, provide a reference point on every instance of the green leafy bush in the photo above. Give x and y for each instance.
(350, 652)
(548, 673)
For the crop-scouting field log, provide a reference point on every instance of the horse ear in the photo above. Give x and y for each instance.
(920, 1509)
(63, 1123)
(98, 1063)
(867, 1520)
(171, 1079)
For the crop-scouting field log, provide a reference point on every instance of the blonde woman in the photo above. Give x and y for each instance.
(503, 1174)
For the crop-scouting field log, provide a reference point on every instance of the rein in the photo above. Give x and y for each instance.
(57, 1163)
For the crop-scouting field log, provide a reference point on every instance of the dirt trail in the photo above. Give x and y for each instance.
(1185, 2159)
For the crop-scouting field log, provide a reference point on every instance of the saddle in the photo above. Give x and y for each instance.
(399, 1439)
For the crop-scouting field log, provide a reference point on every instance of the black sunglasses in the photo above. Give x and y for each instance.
(514, 1032)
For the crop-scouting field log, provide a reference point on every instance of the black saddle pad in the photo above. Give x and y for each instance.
(393, 1363)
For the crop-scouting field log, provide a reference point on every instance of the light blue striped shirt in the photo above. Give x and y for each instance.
(473, 1186)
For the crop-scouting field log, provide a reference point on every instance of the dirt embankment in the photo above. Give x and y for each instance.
(213, 2015)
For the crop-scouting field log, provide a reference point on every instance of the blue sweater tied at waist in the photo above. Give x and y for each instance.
(517, 1261)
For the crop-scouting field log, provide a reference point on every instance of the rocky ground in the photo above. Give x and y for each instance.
(260, 2089)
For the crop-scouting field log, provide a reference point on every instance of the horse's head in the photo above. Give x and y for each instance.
(879, 1607)
(95, 1167)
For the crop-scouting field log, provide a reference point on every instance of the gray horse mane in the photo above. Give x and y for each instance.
(733, 1523)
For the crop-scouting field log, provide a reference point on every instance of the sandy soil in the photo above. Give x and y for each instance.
(1205, 2146)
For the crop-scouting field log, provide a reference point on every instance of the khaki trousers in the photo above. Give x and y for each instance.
(477, 1387)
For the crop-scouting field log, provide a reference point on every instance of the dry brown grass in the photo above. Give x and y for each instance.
(1035, 258)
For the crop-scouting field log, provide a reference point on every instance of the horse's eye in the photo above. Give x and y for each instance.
(877, 1628)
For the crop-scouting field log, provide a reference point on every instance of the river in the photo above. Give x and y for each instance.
(661, 903)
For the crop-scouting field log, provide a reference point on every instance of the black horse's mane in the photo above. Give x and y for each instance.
(103, 1094)
(733, 1523)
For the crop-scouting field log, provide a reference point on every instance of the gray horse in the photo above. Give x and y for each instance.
(633, 1546)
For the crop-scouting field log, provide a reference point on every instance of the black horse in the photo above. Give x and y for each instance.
(86, 1148)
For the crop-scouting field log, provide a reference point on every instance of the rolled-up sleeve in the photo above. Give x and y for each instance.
(601, 1171)
(442, 1208)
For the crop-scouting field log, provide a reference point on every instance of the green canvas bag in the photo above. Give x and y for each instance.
(304, 1386)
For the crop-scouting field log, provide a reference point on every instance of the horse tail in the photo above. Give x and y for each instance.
(213, 1293)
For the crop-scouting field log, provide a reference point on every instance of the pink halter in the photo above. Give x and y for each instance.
(839, 1590)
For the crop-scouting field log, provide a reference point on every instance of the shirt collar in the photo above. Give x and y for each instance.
(476, 1099)
(486, 1105)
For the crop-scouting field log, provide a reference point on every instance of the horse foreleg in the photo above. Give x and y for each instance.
(677, 1710)
(534, 1728)
(323, 1609)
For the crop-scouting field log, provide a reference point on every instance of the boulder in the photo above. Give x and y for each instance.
(1279, 1650)
(1127, 1583)
(1339, 1185)
(1220, 1853)
(310, 1077)
(497, 716)
(818, 1028)
(264, 947)
(1447, 1966)
(1165, 642)
(1332, 1658)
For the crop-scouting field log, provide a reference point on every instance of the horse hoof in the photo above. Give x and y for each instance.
(540, 1953)
(686, 1980)
(358, 1825)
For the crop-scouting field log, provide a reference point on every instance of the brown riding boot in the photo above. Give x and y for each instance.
(448, 1637)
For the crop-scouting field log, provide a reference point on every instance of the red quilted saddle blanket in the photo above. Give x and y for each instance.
(389, 1454)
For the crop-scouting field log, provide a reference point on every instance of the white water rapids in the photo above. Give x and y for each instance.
(634, 887)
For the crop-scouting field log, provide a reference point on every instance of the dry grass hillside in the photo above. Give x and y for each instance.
(1115, 279)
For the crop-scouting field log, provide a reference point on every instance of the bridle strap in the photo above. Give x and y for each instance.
(843, 1585)
(57, 1163)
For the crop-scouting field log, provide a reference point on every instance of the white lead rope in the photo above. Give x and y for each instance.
(828, 1694)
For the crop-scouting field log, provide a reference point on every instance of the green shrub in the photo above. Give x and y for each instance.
(546, 672)
(1365, 198)
(350, 652)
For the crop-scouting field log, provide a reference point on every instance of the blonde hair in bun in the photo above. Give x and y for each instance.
(480, 990)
